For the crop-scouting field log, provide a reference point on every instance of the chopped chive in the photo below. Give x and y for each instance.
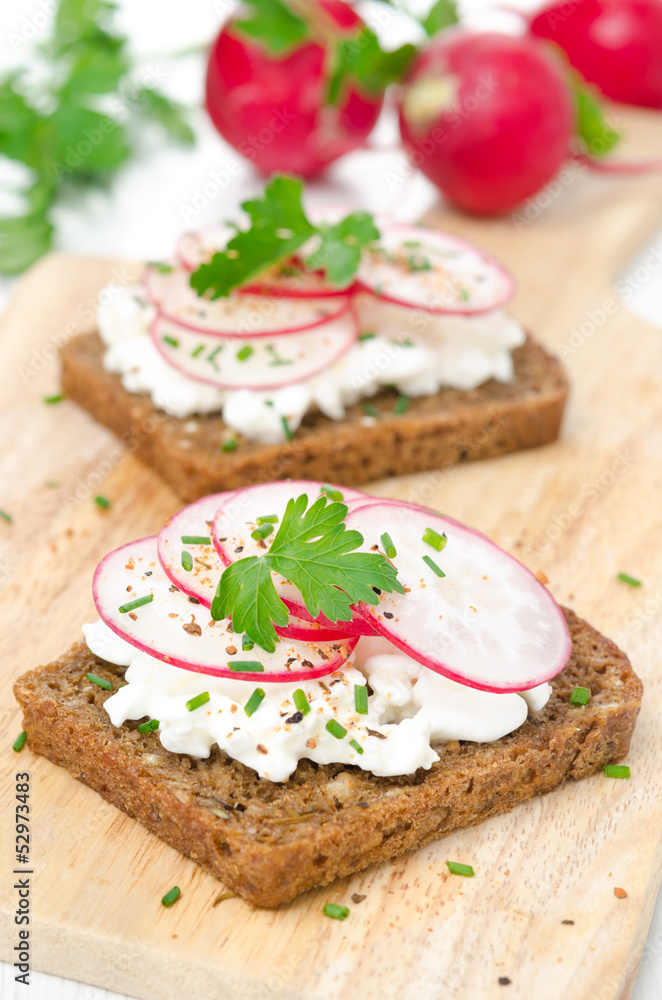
(301, 702)
(149, 727)
(200, 699)
(361, 699)
(433, 566)
(230, 445)
(138, 603)
(57, 398)
(161, 266)
(401, 404)
(187, 561)
(411, 243)
(419, 263)
(631, 580)
(20, 741)
(101, 681)
(246, 643)
(196, 352)
(246, 666)
(262, 532)
(212, 357)
(616, 770)
(332, 494)
(336, 911)
(254, 701)
(172, 896)
(371, 410)
(196, 540)
(5, 516)
(580, 696)
(389, 547)
(456, 868)
(171, 341)
(267, 519)
(434, 539)
(289, 436)
(357, 746)
(245, 353)
(464, 294)
(102, 502)
(368, 335)
(334, 727)
(276, 361)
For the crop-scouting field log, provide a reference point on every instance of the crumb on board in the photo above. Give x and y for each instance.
(620, 893)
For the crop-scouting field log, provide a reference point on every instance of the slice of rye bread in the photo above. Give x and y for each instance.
(270, 841)
(435, 431)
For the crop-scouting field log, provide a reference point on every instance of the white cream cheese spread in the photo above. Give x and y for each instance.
(416, 352)
(410, 708)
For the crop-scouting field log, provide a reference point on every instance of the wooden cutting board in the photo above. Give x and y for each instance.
(581, 510)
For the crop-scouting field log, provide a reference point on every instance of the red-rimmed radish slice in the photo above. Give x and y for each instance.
(487, 623)
(237, 518)
(261, 363)
(206, 566)
(294, 280)
(200, 245)
(436, 272)
(312, 631)
(242, 316)
(174, 628)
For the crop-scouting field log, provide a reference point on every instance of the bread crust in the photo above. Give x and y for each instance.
(268, 841)
(435, 431)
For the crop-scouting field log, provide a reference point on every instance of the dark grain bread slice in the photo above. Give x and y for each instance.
(435, 431)
(271, 841)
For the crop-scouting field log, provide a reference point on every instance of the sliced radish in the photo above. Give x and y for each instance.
(293, 280)
(312, 631)
(258, 363)
(436, 272)
(487, 622)
(198, 247)
(236, 520)
(206, 566)
(176, 629)
(243, 316)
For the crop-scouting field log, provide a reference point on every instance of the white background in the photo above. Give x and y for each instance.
(160, 194)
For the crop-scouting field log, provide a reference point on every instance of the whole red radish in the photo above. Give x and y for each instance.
(489, 118)
(615, 44)
(273, 107)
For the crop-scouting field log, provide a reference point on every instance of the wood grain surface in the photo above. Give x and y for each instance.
(582, 510)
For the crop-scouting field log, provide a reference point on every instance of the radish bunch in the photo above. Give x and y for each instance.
(468, 610)
(291, 324)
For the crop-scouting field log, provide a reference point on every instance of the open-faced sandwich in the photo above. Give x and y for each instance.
(350, 349)
(293, 681)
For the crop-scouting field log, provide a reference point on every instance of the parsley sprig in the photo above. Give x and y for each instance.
(280, 227)
(315, 551)
(50, 121)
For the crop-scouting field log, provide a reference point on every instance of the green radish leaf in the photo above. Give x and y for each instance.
(595, 132)
(23, 240)
(170, 115)
(274, 25)
(442, 15)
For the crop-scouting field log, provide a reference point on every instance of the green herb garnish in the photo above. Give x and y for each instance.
(388, 546)
(334, 727)
(196, 540)
(149, 727)
(595, 132)
(442, 15)
(172, 896)
(102, 502)
(580, 696)
(262, 532)
(433, 566)
(230, 445)
(200, 699)
(367, 336)
(247, 644)
(138, 603)
(418, 263)
(187, 561)
(6, 517)
(20, 741)
(370, 410)
(357, 746)
(336, 911)
(301, 702)
(401, 404)
(279, 227)
(170, 341)
(57, 398)
(361, 699)
(332, 493)
(267, 519)
(101, 681)
(630, 580)
(254, 701)
(434, 539)
(457, 868)
(246, 666)
(197, 351)
(289, 436)
(616, 770)
(245, 353)
(313, 549)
